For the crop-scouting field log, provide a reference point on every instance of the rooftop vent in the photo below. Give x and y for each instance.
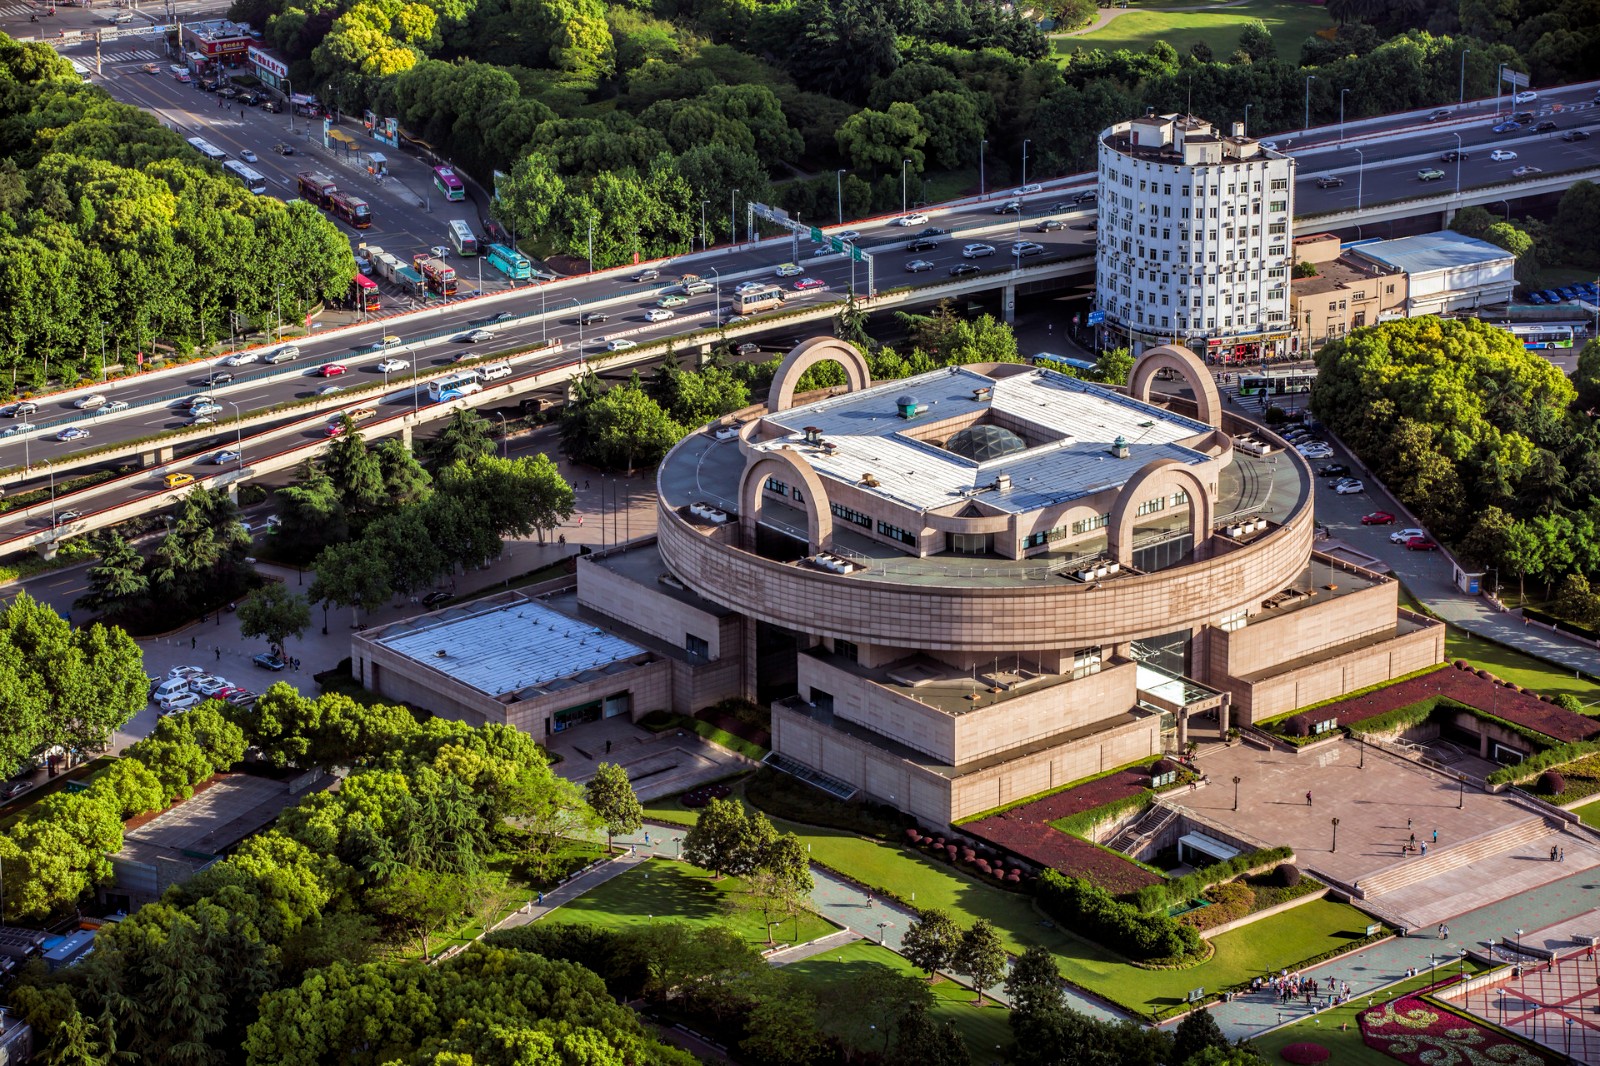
(813, 434)
(1119, 447)
(908, 407)
(985, 393)
(1002, 482)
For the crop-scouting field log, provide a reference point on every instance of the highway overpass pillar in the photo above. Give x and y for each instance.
(47, 550)
(1008, 304)
(405, 436)
(705, 353)
(233, 492)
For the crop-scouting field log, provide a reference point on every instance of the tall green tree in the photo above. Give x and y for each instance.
(348, 575)
(610, 794)
(274, 613)
(725, 839)
(1034, 983)
(931, 942)
(982, 957)
(312, 514)
(117, 579)
(780, 880)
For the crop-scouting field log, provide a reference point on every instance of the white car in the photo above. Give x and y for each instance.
(476, 335)
(1400, 536)
(657, 314)
(1500, 155)
(89, 402)
(18, 430)
(1348, 487)
(209, 685)
(914, 219)
(749, 286)
(1526, 96)
(248, 156)
(1271, 146)
(185, 673)
(179, 701)
(621, 344)
(390, 366)
(1523, 172)
(241, 358)
(848, 235)
(114, 405)
(789, 270)
(1315, 449)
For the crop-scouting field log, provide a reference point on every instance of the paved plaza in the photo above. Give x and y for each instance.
(1487, 846)
(1553, 1002)
(658, 764)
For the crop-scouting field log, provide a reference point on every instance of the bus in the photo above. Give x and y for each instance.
(207, 149)
(461, 235)
(1541, 335)
(1276, 384)
(253, 179)
(350, 209)
(762, 299)
(316, 187)
(364, 294)
(452, 386)
(510, 262)
(445, 180)
(1067, 364)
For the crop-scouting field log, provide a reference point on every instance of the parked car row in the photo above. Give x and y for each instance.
(189, 686)
(1583, 290)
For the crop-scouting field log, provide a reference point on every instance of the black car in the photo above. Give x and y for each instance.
(249, 98)
(589, 318)
(1085, 197)
(12, 789)
(1049, 224)
(1452, 155)
(930, 231)
(964, 268)
(283, 149)
(434, 598)
(922, 244)
(272, 107)
(1545, 127)
(1575, 135)
(221, 377)
(1523, 117)
(268, 662)
(228, 92)
(1333, 470)
(1010, 207)
(1330, 181)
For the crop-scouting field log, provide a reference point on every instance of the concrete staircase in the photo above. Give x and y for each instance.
(1521, 869)
(1143, 828)
(1449, 857)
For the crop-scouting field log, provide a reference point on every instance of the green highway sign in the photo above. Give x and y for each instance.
(816, 234)
(857, 254)
(836, 244)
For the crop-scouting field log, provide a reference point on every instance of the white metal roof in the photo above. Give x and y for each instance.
(869, 437)
(518, 646)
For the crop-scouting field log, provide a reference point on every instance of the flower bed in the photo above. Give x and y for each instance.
(1026, 831)
(1305, 1054)
(1472, 688)
(1418, 1033)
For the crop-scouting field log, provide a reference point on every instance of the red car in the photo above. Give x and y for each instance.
(1422, 544)
(335, 428)
(1377, 518)
(331, 370)
(808, 283)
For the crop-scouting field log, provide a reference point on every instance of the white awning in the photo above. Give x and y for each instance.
(1208, 846)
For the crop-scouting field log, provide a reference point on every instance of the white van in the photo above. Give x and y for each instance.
(169, 689)
(496, 372)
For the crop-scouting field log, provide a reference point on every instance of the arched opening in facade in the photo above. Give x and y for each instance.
(1162, 515)
(1186, 365)
(808, 354)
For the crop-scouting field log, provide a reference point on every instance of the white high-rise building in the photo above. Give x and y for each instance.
(1195, 241)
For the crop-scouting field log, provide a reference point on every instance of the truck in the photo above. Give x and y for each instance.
(389, 267)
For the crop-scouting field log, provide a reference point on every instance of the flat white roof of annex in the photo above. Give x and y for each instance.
(868, 437)
(507, 649)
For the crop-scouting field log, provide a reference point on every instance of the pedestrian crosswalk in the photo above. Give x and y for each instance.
(142, 55)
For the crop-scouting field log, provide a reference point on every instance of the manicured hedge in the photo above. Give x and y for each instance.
(1159, 897)
(1083, 823)
(1534, 765)
(1401, 717)
(1100, 916)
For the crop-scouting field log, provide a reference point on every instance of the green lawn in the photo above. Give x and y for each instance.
(663, 888)
(1270, 944)
(981, 1027)
(1589, 813)
(1514, 666)
(1289, 21)
(1346, 1045)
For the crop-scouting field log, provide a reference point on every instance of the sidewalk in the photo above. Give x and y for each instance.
(1382, 964)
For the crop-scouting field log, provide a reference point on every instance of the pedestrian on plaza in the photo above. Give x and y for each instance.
(1308, 799)
(1424, 848)
(541, 899)
(219, 653)
(1563, 857)
(1441, 930)
(647, 838)
(608, 747)
(869, 899)
(1413, 838)
(1436, 836)
(1408, 823)
(192, 643)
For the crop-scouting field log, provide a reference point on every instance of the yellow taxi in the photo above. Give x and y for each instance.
(172, 481)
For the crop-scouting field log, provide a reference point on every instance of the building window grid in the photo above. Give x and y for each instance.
(1086, 661)
(895, 533)
(1152, 506)
(774, 485)
(848, 515)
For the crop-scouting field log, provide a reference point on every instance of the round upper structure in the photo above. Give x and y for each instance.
(986, 511)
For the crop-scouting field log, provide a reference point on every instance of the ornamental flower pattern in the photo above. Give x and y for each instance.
(1419, 1035)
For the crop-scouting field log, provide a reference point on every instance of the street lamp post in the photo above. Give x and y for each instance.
(716, 278)
(1236, 781)
(289, 92)
(1499, 87)
(1519, 943)
(52, 470)
(1431, 961)
(1335, 836)
(838, 188)
(238, 433)
(579, 305)
(1457, 136)
(1309, 79)
(1361, 172)
(1025, 142)
(1461, 972)
(733, 217)
(703, 244)
(415, 403)
(1341, 114)
(903, 164)
(1462, 102)
(1461, 792)
(981, 146)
